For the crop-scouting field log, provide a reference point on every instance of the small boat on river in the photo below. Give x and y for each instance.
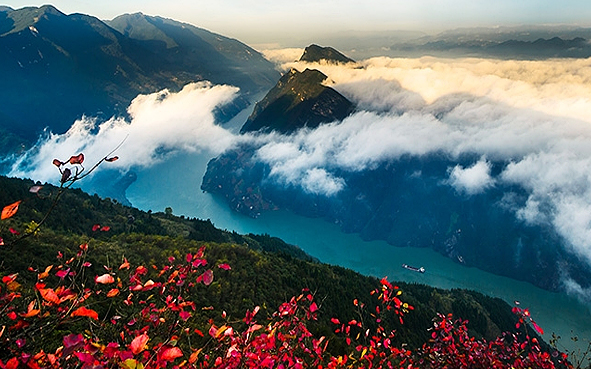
(414, 269)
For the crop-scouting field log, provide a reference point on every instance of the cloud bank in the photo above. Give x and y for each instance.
(160, 125)
(532, 117)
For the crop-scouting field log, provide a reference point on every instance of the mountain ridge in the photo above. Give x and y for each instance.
(67, 66)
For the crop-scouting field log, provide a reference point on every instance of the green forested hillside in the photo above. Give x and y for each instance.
(264, 270)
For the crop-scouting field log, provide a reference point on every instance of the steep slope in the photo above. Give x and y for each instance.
(298, 100)
(181, 46)
(58, 67)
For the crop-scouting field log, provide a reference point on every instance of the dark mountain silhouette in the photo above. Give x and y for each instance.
(58, 67)
(298, 100)
(315, 53)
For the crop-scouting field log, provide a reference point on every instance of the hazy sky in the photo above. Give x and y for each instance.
(273, 20)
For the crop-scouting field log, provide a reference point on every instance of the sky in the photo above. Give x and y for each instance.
(278, 21)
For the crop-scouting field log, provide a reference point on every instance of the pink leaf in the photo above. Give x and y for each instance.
(224, 266)
(184, 315)
(207, 277)
(313, 307)
(35, 189)
(63, 273)
(73, 340)
(537, 327)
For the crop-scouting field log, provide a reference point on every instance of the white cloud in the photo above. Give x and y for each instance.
(282, 56)
(532, 115)
(161, 124)
(472, 180)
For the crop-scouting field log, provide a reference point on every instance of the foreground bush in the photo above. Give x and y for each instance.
(144, 317)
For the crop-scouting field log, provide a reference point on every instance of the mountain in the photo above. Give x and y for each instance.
(315, 53)
(298, 100)
(502, 42)
(182, 47)
(264, 269)
(58, 67)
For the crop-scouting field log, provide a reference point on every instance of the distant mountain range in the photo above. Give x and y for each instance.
(501, 42)
(57, 67)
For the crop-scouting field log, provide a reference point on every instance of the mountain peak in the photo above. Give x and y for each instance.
(20, 19)
(298, 100)
(315, 53)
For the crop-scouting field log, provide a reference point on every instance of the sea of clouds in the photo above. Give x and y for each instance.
(533, 116)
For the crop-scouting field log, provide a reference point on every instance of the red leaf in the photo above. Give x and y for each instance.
(335, 321)
(537, 328)
(13, 231)
(224, 266)
(77, 159)
(83, 311)
(48, 294)
(104, 279)
(113, 292)
(169, 353)
(57, 163)
(105, 229)
(10, 210)
(139, 344)
(313, 307)
(9, 278)
(114, 158)
(12, 363)
(96, 227)
(125, 264)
